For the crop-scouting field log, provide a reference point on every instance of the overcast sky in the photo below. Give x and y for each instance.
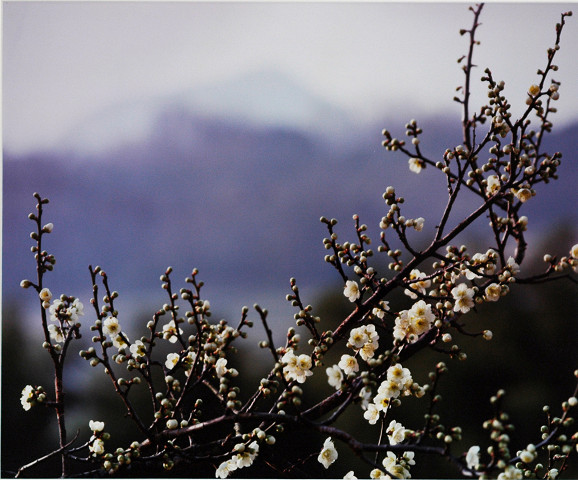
(64, 61)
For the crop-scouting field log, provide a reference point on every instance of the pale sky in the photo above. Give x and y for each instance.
(65, 61)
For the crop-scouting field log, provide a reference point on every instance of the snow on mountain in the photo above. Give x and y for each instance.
(262, 99)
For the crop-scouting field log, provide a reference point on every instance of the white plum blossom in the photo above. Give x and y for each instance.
(357, 338)
(476, 260)
(390, 388)
(348, 364)
(55, 309)
(523, 194)
(492, 185)
(56, 333)
(63, 311)
(396, 466)
(96, 426)
(511, 473)
(247, 454)
(172, 360)
(111, 327)
(493, 292)
(221, 367)
(296, 367)
(512, 266)
(416, 165)
(421, 317)
(365, 395)
(138, 349)
(368, 350)
(574, 251)
(396, 432)
(188, 362)
(418, 224)
(351, 290)
(401, 375)
(226, 468)
(45, 295)
(399, 380)
(382, 399)
(120, 341)
(410, 324)
(27, 397)
(97, 446)
(416, 284)
(364, 339)
(170, 332)
(473, 457)
(377, 473)
(334, 376)
(371, 414)
(328, 454)
(350, 476)
(553, 473)
(463, 297)
(75, 310)
(526, 457)
(379, 311)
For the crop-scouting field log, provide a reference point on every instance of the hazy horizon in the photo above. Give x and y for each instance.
(66, 62)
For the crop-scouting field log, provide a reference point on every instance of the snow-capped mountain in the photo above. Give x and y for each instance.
(258, 99)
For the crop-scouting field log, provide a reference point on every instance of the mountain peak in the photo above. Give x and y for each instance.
(263, 98)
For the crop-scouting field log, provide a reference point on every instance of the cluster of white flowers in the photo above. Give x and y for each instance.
(173, 359)
(138, 349)
(416, 284)
(63, 312)
(347, 366)
(463, 298)
(398, 467)
(351, 290)
(512, 266)
(45, 295)
(328, 454)
(483, 263)
(112, 328)
(244, 458)
(492, 185)
(59, 310)
(529, 454)
(296, 367)
(511, 473)
(170, 332)
(396, 432)
(410, 324)
(96, 442)
(380, 310)
(364, 340)
(398, 381)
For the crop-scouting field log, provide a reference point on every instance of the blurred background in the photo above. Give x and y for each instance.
(214, 135)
